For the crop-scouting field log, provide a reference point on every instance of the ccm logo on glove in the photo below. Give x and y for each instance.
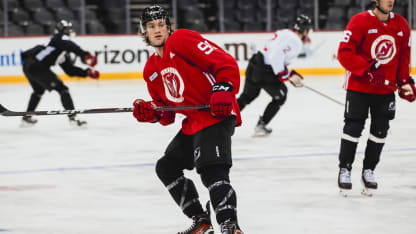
(221, 100)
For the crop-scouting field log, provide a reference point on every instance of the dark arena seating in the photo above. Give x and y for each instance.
(38, 17)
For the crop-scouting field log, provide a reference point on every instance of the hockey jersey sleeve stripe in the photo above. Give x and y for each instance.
(210, 78)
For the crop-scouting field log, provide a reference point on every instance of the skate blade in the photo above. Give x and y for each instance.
(368, 192)
(260, 134)
(344, 192)
(26, 125)
(76, 125)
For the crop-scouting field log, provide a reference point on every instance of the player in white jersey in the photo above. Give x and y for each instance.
(267, 69)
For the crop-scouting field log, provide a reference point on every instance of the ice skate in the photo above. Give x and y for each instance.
(230, 227)
(344, 181)
(201, 223)
(28, 121)
(369, 183)
(261, 130)
(76, 122)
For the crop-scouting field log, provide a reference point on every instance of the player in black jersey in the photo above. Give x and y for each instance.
(38, 60)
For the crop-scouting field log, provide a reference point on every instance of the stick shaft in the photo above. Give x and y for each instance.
(5, 112)
(173, 108)
(323, 95)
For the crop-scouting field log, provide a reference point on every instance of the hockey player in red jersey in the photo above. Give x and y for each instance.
(375, 51)
(187, 69)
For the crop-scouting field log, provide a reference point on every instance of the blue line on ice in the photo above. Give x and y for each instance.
(66, 169)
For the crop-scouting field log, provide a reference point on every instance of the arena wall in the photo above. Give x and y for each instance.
(124, 56)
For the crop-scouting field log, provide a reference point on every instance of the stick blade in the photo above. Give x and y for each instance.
(2, 109)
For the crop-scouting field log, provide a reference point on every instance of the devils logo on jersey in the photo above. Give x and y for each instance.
(383, 49)
(173, 84)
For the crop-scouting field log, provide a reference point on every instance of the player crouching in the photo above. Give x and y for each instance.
(37, 62)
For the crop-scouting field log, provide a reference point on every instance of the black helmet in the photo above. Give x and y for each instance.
(371, 5)
(153, 13)
(64, 27)
(303, 22)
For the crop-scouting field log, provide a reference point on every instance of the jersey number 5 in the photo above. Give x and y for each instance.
(347, 36)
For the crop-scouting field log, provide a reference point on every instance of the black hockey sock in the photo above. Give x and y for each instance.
(223, 200)
(347, 153)
(378, 133)
(222, 194)
(186, 196)
(181, 189)
(372, 154)
(34, 101)
(66, 100)
(271, 110)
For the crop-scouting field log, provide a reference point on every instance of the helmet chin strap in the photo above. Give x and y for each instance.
(381, 10)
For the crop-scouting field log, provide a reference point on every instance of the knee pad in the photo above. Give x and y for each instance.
(279, 99)
(166, 171)
(379, 128)
(354, 127)
(212, 174)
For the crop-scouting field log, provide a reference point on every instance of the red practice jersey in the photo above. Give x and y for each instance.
(366, 38)
(190, 66)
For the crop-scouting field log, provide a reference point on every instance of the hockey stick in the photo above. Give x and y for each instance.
(173, 108)
(5, 112)
(323, 95)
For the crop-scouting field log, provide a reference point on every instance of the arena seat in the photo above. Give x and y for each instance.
(95, 27)
(342, 3)
(246, 4)
(34, 29)
(15, 30)
(336, 13)
(43, 17)
(64, 13)
(353, 10)
(54, 4)
(335, 25)
(287, 5)
(73, 4)
(32, 5)
(262, 4)
(20, 16)
(11, 4)
(232, 26)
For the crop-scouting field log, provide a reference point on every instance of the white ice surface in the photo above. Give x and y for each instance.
(55, 179)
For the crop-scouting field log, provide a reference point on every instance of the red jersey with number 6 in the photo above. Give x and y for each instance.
(367, 38)
(185, 74)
